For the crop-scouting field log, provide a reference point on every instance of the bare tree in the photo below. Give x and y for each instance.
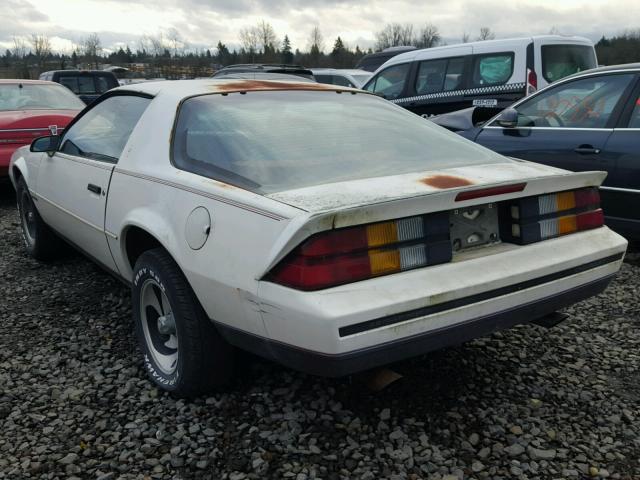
(41, 48)
(465, 37)
(249, 41)
(176, 43)
(393, 35)
(19, 48)
(91, 48)
(266, 36)
(316, 40)
(428, 37)
(554, 31)
(157, 44)
(486, 34)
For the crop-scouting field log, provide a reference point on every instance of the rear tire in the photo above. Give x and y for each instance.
(40, 241)
(183, 352)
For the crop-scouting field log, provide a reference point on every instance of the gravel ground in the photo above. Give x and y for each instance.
(526, 403)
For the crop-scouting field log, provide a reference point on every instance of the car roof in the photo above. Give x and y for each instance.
(5, 81)
(409, 56)
(342, 71)
(79, 71)
(179, 89)
(632, 67)
(254, 75)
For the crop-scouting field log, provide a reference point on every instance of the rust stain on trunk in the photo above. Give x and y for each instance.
(446, 181)
(257, 85)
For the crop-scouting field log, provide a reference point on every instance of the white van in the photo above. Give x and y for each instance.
(491, 73)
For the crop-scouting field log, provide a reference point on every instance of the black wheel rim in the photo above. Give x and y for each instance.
(28, 217)
(158, 326)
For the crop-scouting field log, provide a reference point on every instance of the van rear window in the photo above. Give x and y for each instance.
(492, 69)
(559, 61)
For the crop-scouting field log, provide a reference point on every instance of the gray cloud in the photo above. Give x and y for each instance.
(203, 22)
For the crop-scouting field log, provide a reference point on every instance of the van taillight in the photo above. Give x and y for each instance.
(351, 254)
(532, 81)
(531, 219)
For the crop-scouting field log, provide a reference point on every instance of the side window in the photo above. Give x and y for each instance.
(71, 83)
(323, 78)
(390, 82)
(440, 75)
(103, 131)
(584, 103)
(492, 69)
(635, 116)
(431, 76)
(102, 84)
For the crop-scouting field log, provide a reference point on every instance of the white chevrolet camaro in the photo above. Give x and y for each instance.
(315, 225)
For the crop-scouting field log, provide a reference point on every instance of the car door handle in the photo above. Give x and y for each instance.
(586, 150)
(94, 188)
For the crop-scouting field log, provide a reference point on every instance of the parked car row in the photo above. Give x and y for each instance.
(490, 74)
(585, 122)
(317, 225)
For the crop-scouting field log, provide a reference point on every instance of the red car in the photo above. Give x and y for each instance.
(31, 109)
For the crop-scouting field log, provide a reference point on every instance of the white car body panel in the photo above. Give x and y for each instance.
(251, 233)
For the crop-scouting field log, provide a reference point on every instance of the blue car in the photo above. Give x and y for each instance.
(588, 121)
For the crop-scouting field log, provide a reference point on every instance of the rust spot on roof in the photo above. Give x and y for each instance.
(446, 181)
(262, 85)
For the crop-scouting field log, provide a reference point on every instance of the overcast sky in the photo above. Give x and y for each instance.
(203, 22)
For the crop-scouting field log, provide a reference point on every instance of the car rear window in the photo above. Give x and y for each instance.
(493, 69)
(87, 84)
(559, 61)
(25, 96)
(268, 142)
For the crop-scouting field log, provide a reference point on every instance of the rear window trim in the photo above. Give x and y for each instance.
(475, 58)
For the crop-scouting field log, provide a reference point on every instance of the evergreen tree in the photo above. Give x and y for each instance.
(287, 55)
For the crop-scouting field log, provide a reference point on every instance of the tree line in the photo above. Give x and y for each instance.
(168, 54)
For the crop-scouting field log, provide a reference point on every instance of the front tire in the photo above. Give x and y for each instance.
(40, 241)
(183, 352)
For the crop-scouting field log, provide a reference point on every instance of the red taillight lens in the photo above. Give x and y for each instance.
(532, 82)
(351, 254)
(531, 219)
(589, 220)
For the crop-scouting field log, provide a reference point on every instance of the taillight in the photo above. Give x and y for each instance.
(532, 81)
(351, 254)
(529, 220)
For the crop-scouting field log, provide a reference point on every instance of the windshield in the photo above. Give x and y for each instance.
(274, 141)
(26, 96)
(559, 61)
(361, 78)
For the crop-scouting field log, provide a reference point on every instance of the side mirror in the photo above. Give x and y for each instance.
(47, 144)
(508, 118)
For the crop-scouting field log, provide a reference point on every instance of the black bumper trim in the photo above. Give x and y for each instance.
(338, 365)
(462, 302)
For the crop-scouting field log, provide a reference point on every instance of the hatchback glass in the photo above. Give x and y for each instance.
(559, 61)
(26, 96)
(275, 141)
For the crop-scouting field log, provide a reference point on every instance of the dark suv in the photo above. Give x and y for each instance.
(265, 68)
(87, 84)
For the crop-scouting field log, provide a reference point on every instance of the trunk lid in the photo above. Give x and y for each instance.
(371, 191)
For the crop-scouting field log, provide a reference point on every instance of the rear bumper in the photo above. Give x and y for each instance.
(384, 319)
(337, 365)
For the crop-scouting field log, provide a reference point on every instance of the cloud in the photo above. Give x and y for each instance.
(202, 23)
